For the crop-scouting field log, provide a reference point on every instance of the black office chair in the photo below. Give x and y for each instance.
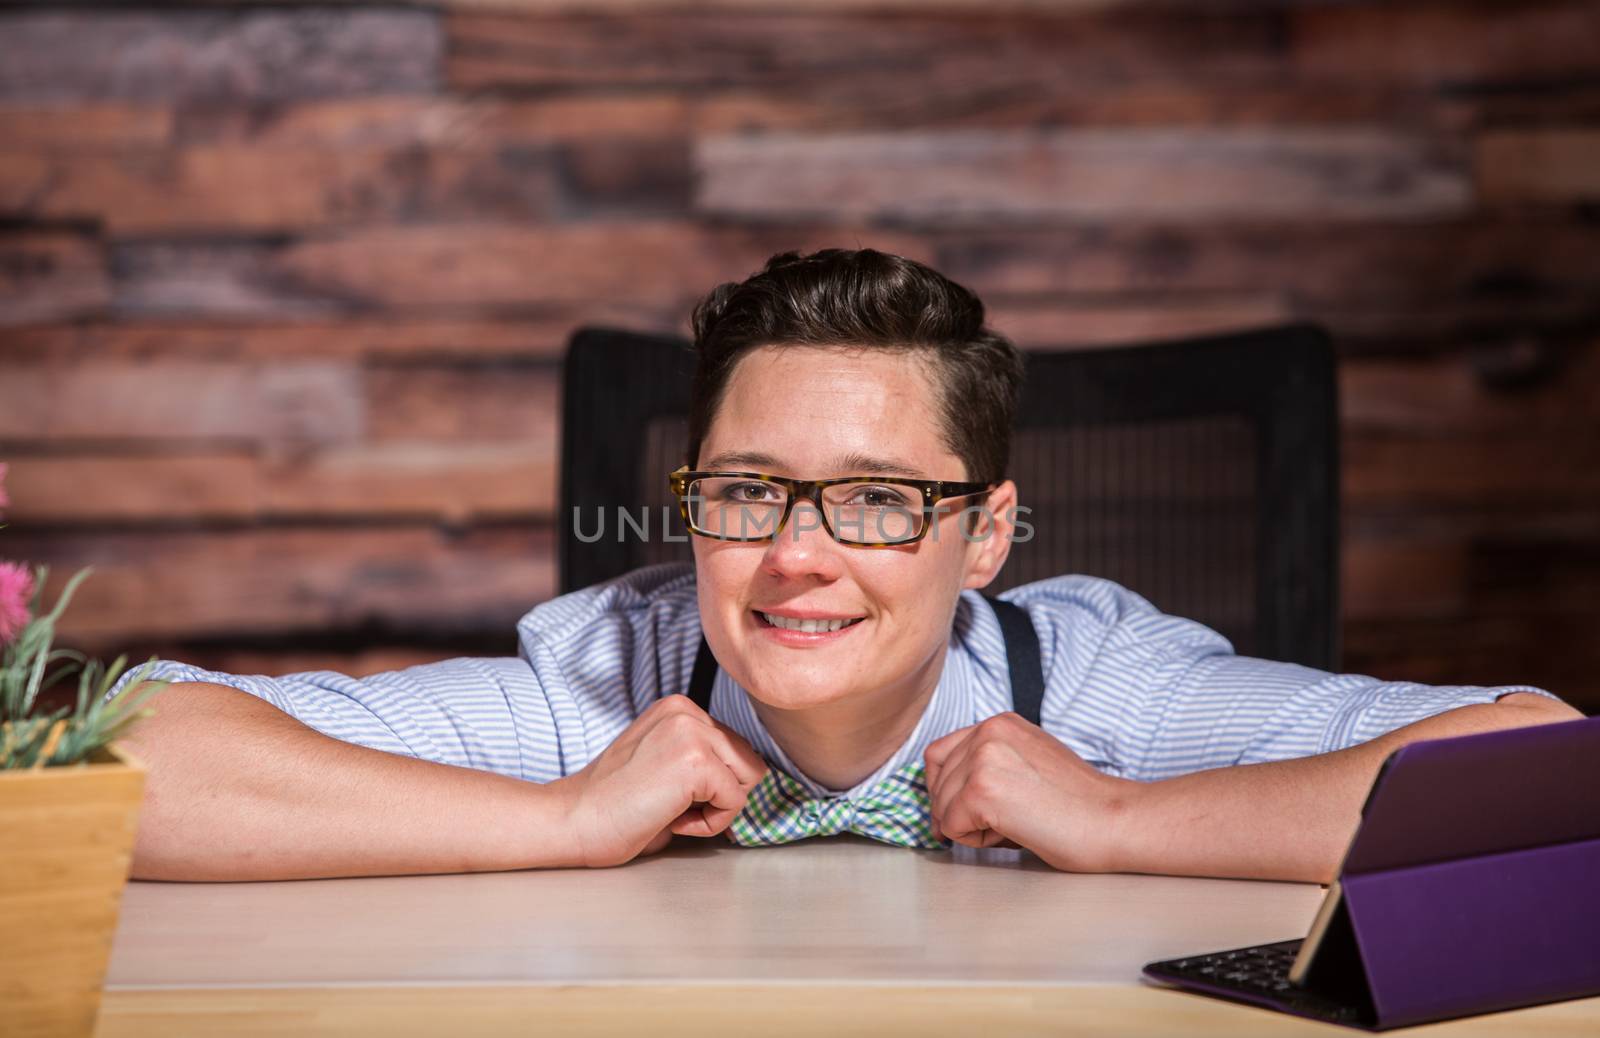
(1201, 473)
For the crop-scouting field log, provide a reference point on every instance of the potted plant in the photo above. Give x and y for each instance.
(69, 808)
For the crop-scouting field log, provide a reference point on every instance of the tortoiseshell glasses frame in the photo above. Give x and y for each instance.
(687, 482)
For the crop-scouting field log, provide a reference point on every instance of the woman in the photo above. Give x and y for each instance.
(846, 481)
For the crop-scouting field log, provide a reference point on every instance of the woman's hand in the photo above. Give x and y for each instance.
(675, 769)
(1007, 783)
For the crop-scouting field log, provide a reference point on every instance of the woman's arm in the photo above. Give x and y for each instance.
(1289, 819)
(236, 789)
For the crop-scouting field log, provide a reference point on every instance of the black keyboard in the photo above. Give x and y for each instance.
(1259, 974)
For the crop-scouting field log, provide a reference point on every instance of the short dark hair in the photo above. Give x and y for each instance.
(866, 298)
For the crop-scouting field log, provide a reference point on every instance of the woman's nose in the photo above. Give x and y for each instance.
(803, 544)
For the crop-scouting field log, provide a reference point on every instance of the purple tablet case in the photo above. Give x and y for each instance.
(1472, 885)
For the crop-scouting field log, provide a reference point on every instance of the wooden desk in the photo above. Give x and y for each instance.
(839, 935)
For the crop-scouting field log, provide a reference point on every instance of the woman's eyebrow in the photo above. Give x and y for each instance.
(743, 459)
(878, 466)
(844, 464)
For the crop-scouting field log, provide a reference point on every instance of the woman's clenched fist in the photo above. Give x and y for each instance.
(675, 769)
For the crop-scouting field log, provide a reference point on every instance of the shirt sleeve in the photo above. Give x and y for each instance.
(587, 664)
(469, 712)
(1155, 696)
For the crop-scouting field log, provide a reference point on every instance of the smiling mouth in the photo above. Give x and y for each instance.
(807, 626)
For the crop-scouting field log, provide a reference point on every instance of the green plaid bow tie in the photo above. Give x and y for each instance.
(895, 810)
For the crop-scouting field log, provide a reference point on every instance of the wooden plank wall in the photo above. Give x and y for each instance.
(283, 289)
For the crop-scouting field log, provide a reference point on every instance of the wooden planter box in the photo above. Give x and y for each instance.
(66, 843)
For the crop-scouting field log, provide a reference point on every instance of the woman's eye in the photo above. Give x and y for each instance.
(880, 497)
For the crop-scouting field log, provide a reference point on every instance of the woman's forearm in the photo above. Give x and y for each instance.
(1289, 819)
(238, 790)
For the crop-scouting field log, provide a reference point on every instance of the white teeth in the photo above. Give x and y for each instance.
(809, 626)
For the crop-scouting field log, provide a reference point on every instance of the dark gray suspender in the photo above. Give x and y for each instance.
(1022, 657)
(705, 671)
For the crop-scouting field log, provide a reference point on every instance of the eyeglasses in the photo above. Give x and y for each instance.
(870, 511)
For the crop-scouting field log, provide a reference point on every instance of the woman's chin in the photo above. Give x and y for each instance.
(793, 692)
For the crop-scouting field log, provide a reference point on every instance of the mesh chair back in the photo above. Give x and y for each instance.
(1201, 473)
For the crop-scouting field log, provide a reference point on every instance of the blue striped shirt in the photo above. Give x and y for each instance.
(1135, 692)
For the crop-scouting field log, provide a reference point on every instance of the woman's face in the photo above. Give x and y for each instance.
(813, 413)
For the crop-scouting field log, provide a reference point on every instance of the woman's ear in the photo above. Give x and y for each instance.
(988, 534)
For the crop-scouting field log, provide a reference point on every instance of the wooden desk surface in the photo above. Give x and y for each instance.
(842, 934)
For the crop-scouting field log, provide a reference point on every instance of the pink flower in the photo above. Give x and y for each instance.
(16, 592)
